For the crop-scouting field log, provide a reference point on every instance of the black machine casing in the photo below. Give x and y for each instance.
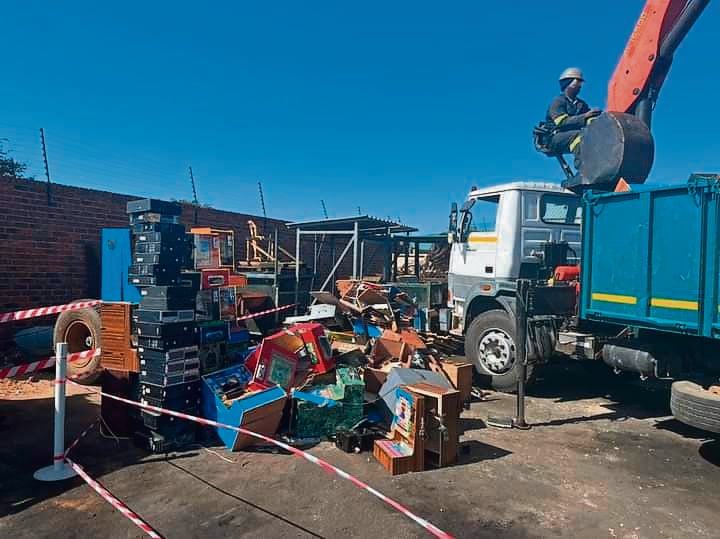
(190, 390)
(158, 379)
(164, 317)
(169, 368)
(151, 280)
(165, 330)
(152, 205)
(166, 343)
(169, 259)
(177, 354)
(165, 227)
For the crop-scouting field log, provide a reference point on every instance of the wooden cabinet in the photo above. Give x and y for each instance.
(116, 339)
(440, 423)
(402, 451)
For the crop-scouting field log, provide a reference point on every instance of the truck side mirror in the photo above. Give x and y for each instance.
(452, 227)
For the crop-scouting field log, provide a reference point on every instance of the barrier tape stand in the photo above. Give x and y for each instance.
(59, 469)
(434, 530)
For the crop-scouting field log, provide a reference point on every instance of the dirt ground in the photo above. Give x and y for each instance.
(603, 459)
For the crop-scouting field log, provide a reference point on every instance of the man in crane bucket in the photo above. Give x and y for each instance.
(568, 114)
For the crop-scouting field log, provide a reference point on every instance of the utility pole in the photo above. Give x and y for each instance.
(192, 182)
(47, 168)
(262, 204)
(195, 198)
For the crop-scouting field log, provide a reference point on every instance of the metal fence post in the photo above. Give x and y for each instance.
(59, 469)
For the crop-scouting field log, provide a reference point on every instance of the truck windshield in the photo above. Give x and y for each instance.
(560, 210)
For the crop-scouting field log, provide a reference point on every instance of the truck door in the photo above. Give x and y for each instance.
(473, 256)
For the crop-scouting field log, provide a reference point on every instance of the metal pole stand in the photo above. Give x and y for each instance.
(521, 320)
(59, 469)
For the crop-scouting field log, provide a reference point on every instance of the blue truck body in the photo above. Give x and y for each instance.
(650, 258)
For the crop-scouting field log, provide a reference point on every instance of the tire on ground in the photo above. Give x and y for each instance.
(695, 406)
(81, 330)
(500, 320)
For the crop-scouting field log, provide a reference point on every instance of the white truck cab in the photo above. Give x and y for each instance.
(499, 235)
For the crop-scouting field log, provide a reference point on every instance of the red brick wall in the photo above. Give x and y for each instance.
(47, 251)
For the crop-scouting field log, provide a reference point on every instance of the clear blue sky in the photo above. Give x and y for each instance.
(394, 107)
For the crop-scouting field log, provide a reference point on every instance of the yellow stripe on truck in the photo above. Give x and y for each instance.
(674, 304)
(615, 298)
(482, 239)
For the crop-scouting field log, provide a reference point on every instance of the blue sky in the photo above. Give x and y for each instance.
(397, 108)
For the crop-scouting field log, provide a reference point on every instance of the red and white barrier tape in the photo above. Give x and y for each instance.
(437, 532)
(266, 311)
(82, 435)
(26, 368)
(45, 311)
(112, 500)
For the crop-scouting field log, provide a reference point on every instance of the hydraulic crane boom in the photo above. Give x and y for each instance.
(641, 71)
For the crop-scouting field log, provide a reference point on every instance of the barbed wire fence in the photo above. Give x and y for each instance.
(79, 164)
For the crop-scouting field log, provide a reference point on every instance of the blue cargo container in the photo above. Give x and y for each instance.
(650, 258)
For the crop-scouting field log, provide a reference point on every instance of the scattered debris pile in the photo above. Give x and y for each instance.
(359, 373)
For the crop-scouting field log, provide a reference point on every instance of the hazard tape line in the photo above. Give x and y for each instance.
(45, 311)
(26, 368)
(437, 532)
(82, 435)
(112, 500)
(267, 311)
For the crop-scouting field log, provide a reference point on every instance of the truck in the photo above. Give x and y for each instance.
(642, 261)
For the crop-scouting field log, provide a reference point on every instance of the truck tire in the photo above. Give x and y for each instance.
(490, 345)
(81, 330)
(695, 406)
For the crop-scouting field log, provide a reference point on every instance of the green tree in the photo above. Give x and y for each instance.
(9, 166)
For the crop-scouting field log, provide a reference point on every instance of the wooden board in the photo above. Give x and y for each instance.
(460, 374)
(115, 342)
(263, 419)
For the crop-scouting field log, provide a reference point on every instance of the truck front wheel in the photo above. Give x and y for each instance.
(490, 345)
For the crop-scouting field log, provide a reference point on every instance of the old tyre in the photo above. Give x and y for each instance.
(695, 406)
(81, 330)
(490, 345)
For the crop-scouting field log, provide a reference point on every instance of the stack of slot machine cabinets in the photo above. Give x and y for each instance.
(164, 324)
(222, 342)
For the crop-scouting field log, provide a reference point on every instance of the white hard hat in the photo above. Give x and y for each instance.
(572, 73)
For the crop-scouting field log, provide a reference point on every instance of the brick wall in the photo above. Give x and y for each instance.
(50, 254)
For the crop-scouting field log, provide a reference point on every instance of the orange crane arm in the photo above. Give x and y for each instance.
(642, 69)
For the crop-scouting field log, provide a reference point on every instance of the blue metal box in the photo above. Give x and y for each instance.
(650, 258)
